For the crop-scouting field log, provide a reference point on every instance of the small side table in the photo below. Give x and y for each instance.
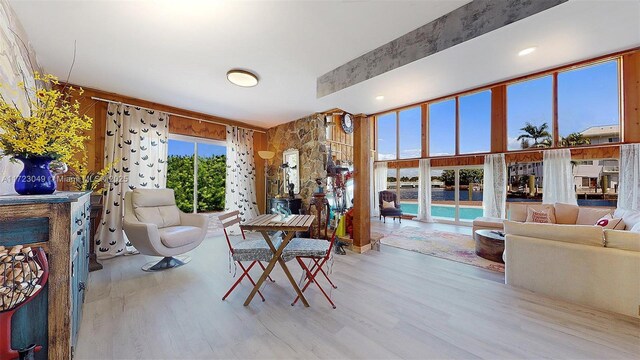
(489, 245)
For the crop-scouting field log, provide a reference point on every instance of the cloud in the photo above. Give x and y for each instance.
(386, 157)
(410, 153)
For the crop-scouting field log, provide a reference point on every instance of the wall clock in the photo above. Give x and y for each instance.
(347, 123)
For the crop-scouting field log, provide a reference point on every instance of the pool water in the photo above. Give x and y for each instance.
(441, 211)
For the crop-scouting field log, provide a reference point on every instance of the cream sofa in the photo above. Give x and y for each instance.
(583, 264)
(560, 213)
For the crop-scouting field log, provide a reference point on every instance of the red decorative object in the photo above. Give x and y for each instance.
(20, 289)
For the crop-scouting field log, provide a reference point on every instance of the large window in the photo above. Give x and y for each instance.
(400, 134)
(410, 130)
(456, 194)
(589, 105)
(206, 191)
(475, 123)
(442, 128)
(408, 190)
(530, 113)
(387, 136)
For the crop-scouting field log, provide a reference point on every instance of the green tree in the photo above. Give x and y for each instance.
(211, 182)
(574, 139)
(535, 133)
(467, 176)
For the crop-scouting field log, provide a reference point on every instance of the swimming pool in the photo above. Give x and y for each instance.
(443, 211)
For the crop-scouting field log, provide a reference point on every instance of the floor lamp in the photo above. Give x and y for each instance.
(266, 156)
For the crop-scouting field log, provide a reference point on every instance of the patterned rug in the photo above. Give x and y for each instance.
(445, 245)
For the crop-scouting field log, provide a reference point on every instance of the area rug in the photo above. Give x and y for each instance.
(445, 245)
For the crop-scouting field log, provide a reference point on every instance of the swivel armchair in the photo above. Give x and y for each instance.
(155, 226)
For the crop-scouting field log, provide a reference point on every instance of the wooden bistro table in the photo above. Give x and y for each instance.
(265, 224)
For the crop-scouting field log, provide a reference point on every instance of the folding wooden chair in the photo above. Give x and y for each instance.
(255, 251)
(319, 251)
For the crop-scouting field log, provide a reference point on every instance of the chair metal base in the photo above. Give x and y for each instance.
(166, 263)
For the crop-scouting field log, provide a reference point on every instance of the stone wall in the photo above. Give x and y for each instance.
(309, 137)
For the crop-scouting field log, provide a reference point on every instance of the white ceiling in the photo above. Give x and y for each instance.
(177, 53)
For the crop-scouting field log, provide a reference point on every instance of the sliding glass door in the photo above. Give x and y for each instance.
(456, 194)
(196, 172)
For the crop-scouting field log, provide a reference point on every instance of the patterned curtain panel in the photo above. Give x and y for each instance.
(629, 189)
(380, 184)
(558, 184)
(424, 192)
(494, 198)
(240, 193)
(136, 139)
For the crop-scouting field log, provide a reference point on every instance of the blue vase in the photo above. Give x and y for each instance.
(35, 178)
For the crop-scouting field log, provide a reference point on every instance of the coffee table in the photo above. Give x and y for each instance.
(489, 245)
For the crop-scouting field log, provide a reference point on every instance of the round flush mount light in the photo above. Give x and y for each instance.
(242, 78)
(527, 51)
(380, 97)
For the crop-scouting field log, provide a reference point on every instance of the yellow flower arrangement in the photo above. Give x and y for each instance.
(54, 127)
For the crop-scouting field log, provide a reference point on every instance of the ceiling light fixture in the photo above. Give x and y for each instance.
(242, 78)
(380, 97)
(527, 51)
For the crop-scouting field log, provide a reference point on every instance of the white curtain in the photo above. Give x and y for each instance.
(380, 184)
(558, 184)
(424, 192)
(629, 188)
(137, 140)
(240, 193)
(372, 191)
(494, 198)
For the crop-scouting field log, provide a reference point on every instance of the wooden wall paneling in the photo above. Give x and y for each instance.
(458, 161)
(631, 101)
(499, 119)
(362, 183)
(201, 129)
(584, 153)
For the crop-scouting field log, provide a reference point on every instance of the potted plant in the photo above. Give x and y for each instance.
(52, 130)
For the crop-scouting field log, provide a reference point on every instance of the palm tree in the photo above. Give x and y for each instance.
(535, 133)
(575, 139)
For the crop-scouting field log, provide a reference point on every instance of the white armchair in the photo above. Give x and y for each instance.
(155, 226)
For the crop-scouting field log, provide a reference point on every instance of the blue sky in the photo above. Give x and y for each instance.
(587, 96)
(177, 147)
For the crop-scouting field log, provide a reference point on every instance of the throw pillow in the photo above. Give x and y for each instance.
(541, 217)
(388, 204)
(636, 228)
(608, 222)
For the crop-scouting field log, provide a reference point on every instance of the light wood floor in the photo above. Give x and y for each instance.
(391, 304)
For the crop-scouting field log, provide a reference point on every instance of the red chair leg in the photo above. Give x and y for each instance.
(245, 272)
(264, 269)
(312, 278)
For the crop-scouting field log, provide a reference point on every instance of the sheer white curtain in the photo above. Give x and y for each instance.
(424, 192)
(380, 184)
(558, 184)
(629, 188)
(136, 139)
(240, 192)
(494, 198)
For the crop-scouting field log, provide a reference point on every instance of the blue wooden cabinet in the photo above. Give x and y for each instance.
(58, 223)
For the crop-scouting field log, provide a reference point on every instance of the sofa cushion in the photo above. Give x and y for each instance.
(636, 228)
(566, 213)
(577, 234)
(488, 222)
(388, 204)
(177, 236)
(589, 216)
(630, 217)
(540, 217)
(624, 240)
(519, 212)
(152, 197)
(609, 222)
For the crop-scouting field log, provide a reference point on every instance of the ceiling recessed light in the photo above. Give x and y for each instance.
(242, 78)
(527, 51)
(380, 97)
